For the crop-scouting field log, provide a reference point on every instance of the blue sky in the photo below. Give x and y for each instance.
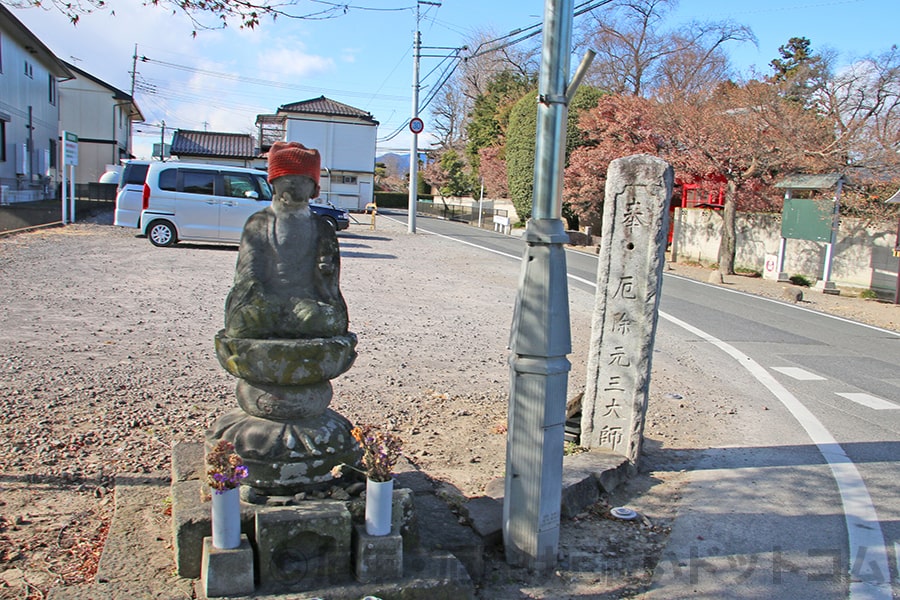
(215, 81)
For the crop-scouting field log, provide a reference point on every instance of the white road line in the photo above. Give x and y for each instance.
(869, 567)
(798, 373)
(793, 306)
(868, 400)
(868, 553)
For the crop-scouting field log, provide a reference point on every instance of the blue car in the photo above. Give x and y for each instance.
(337, 217)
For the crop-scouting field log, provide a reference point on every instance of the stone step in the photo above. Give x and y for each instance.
(138, 557)
(585, 476)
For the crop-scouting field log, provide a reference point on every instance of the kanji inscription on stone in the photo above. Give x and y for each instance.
(629, 276)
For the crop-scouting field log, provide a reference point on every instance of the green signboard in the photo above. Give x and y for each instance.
(70, 148)
(807, 219)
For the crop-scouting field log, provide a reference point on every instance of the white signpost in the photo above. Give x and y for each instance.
(69, 159)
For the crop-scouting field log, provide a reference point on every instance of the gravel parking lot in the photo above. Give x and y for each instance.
(107, 359)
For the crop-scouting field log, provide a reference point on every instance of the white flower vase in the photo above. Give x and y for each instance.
(226, 519)
(379, 495)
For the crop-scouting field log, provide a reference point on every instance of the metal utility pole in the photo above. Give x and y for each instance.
(133, 70)
(414, 120)
(414, 149)
(540, 338)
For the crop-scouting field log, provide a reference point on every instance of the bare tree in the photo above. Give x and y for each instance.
(486, 58)
(214, 14)
(479, 65)
(491, 75)
(862, 102)
(636, 55)
(692, 72)
(448, 116)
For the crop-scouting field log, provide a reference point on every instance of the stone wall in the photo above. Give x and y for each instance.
(863, 255)
(489, 203)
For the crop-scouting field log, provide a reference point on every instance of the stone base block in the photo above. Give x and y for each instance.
(303, 547)
(227, 572)
(485, 515)
(580, 490)
(440, 529)
(191, 522)
(377, 558)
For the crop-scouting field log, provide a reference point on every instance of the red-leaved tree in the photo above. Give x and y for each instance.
(618, 126)
(747, 135)
(493, 172)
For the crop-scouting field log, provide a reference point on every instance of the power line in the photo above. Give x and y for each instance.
(266, 82)
(346, 7)
(525, 33)
(514, 37)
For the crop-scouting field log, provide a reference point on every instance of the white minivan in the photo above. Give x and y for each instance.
(200, 202)
(129, 193)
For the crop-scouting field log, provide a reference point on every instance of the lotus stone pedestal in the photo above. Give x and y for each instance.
(284, 431)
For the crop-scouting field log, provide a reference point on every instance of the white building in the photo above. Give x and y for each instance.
(343, 135)
(29, 113)
(101, 116)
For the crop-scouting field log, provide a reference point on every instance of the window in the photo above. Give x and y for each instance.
(1, 54)
(264, 187)
(350, 179)
(29, 70)
(198, 182)
(53, 152)
(136, 173)
(167, 179)
(52, 87)
(2, 140)
(238, 185)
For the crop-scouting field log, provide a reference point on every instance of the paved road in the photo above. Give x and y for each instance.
(801, 501)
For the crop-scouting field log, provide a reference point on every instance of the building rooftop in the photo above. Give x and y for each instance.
(327, 106)
(810, 182)
(213, 144)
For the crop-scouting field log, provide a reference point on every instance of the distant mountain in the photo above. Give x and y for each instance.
(396, 165)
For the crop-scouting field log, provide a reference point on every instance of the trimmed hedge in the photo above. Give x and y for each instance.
(397, 199)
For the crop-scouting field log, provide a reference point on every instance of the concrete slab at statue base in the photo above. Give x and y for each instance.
(303, 547)
(427, 576)
(585, 476)
(440, 530)
(227, 572)
(137, 557)
(377, 558)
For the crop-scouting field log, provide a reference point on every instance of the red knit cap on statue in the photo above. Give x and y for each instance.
(292, 158)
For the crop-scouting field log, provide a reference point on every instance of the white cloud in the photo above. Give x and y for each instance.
(348, 55)
(294, 62)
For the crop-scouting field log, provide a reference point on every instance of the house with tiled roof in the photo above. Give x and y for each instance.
(343, 135)
(215, 147)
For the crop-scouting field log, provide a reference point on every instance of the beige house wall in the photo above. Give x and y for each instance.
(863, 256)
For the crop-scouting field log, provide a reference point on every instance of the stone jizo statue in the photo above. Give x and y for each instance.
(285, 338)
(288, 267)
